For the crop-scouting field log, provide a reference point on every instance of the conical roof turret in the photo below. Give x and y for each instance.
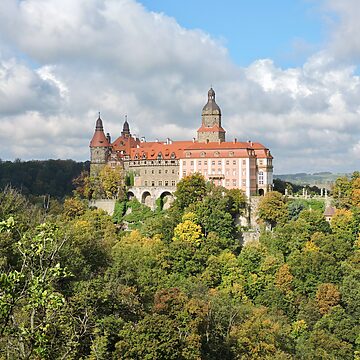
(99, 139)
(126, 128)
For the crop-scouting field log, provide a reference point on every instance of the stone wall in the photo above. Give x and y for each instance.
(107, 205)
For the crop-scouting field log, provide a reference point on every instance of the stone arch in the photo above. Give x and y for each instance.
(130, 195)
(146, 198)
(261, 192)
(166, 199)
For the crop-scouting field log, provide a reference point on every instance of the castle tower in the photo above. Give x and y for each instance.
(126, 128)
(211, 130)
(99, 148)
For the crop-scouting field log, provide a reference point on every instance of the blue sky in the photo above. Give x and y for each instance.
(284, 72)
(284, 30)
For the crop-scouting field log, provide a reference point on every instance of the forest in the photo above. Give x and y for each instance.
(41, 177)
(76, 283)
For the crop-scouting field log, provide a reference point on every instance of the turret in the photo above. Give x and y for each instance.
(99, 148)
(126, 128)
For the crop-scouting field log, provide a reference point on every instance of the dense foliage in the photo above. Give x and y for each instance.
(48, 177)
(179, 285)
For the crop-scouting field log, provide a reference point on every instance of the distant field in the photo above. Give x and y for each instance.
(320, 179)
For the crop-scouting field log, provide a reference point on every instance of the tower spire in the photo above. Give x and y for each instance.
(126, 128)
(99, 124)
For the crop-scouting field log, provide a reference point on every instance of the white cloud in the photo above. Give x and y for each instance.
(116, 57)
(344, 28)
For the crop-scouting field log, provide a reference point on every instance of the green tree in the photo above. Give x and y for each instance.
(272, 208)
(189, 189)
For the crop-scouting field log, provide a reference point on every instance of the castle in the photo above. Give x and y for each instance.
(158, 166)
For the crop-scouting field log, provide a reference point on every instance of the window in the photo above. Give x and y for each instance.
(234, 182)
(260, 162)
(202, 154)
(166, 183)
(153, 171)
(173, 183)
(234, 162)
(219, 171)
(153, 183)
(205, 163)
(188, 154)
(216, 153)
(227, 162)
(173, 171)
(159, 171)
(184, 173)
(244, 183)
(261, 178)
(219, 162)
(213, 162)
(160, 183)
(191, 163)
(231, 153)
(227, 183)
(199, 162)
(145, 171)
(244, 162)
(184, 162)
(145, 183)
(243, 172)
(166, 171)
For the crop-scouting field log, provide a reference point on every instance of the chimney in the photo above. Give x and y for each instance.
(193, 140)
(235, 140)
(142, 139)
(108, 137)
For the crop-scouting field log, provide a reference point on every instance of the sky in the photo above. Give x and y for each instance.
(285, 74)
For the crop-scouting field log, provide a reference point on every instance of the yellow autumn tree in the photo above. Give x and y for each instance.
(284, 278)
(188, 230)
(327, 296)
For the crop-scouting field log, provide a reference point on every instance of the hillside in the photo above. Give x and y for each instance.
(319, 179)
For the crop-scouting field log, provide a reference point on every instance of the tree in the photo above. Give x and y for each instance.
(343, 225)
(188, 230)
(189, 189)
(272, 208)
(32, 312)
(327, 296)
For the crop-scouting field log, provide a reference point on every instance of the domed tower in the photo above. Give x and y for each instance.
(126, 128)
(99, 148)
(211, 130)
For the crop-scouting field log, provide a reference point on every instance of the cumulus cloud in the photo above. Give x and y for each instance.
(61, 61)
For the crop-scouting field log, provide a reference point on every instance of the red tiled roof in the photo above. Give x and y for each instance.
(214, 128)
(152, 150)
(99, 139)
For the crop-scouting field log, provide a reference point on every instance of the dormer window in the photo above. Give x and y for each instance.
(217, 154)
(173, 155)
(159, 156)
(202, 154)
